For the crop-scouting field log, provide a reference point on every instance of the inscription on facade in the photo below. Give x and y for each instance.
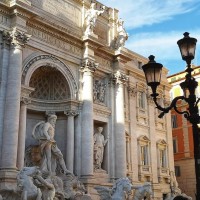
(4, 20)
(60, 8)
(54, 41)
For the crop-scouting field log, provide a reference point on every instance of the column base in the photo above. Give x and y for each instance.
(8, 179)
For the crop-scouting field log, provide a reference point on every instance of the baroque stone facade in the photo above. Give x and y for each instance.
(54, 62)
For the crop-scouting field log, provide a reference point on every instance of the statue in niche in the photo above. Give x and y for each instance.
(99, 91)
(51, 155)
(122, 35)
(99, 144)
(91, 17)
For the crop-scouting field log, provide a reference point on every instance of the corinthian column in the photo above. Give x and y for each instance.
(88, 68)
(12, 104)
(120, 139)
(70, 140)
(25, 100)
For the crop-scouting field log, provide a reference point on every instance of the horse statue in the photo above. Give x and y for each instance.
(118, 192)
(25, 181)
(25, 189)
(144, 191)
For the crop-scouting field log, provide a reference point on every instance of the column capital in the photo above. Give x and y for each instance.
(15, 37)
(6, 38)
(119, 78)
(25, 100)
(19, 38)
(89, 65)
(71, 112)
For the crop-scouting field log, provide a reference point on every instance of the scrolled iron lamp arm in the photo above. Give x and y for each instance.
(172, 105)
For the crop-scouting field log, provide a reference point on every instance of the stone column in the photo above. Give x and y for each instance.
(88, 68)
(12, 103)
(4, 63)
(25, 100)
(70, 140)
(120, 139)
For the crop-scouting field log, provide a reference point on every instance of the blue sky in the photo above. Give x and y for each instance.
(155, 26)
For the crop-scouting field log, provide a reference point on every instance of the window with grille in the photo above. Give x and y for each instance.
(49, 84)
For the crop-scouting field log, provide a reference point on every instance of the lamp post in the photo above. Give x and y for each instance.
(153, 70)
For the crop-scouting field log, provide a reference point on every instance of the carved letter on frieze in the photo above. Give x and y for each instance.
(89, 65)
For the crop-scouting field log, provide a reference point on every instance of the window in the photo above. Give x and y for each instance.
(162, 154)
(141, 100)
(177, 171)
(174, 121)
(144, 155)
(143, 144)
(175, 145)
(139, 65)
(163, 158)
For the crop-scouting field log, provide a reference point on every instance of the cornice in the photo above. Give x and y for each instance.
(4, 9)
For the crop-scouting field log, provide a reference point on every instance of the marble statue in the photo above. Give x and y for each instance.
(25, 181)
(175, 190)
(144, 191)
(99, 143)
(91, 17)
(44, 132)
(122, 35)
(47, 186)
(119, 190)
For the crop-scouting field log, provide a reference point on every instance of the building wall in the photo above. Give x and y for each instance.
(183, 135)
(126, 112)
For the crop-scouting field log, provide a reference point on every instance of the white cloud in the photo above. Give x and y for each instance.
(162, 45)
(138, 13)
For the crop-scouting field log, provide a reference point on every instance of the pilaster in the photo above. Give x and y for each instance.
(12, 104)
(119, 79)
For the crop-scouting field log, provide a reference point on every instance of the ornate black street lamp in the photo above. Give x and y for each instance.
(153, 71)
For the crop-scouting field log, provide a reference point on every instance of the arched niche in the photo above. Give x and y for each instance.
(52, 62)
